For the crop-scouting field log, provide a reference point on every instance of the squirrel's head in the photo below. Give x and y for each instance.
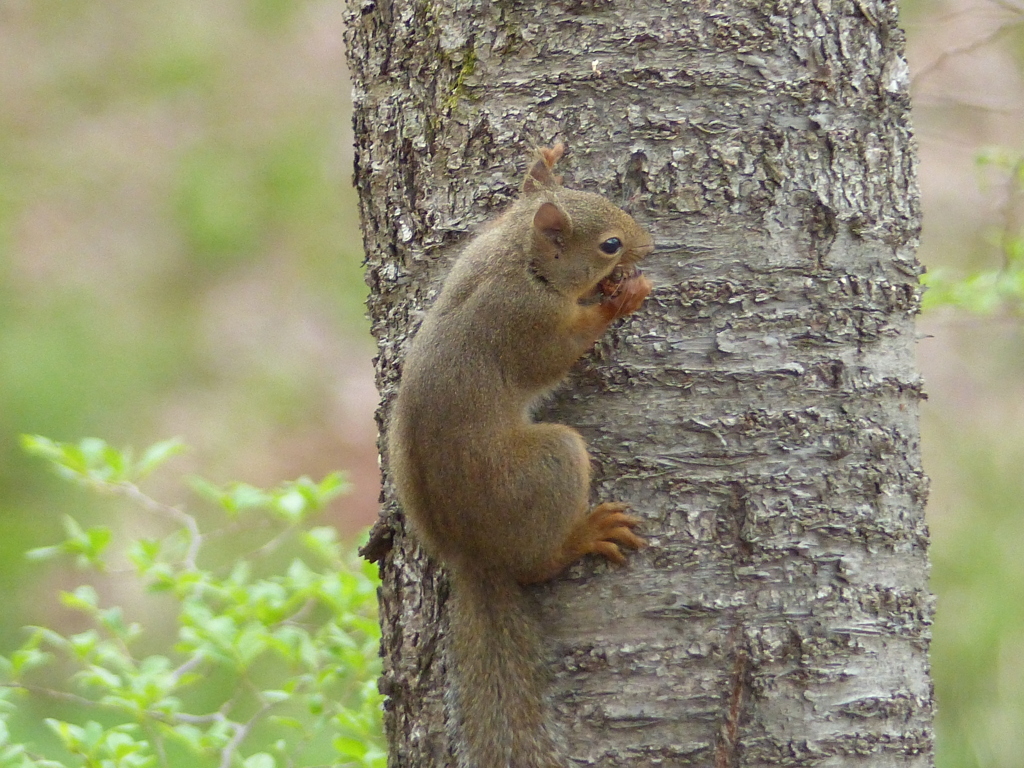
(578, 238)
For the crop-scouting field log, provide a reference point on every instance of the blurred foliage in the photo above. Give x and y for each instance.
(180, 254)
(179, 250)
(978, 574)
(293, 646)
(968, 81)
(998, 289)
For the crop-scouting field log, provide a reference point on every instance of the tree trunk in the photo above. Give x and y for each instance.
(760, 412)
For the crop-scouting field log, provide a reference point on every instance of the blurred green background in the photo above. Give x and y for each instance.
(179, 256)
(179, 249)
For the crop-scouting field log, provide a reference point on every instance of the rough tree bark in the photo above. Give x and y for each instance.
(760, 412)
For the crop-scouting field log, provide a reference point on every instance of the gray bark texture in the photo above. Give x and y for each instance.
(759, 412)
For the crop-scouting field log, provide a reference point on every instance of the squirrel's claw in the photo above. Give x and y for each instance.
(608, 527)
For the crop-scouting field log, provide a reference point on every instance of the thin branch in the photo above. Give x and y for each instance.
(74, 698)
(193, 662)
(133, 492)
(53, 693)
(157, 740)
(1008, 6)
(272, 545)
(296, 618)
(974, 45)
(953, 15)
(241, 731)
(213, 717)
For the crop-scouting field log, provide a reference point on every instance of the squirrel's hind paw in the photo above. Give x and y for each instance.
(606, 528)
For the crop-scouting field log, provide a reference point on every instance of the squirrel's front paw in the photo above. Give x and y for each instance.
(624, 293)
(606, 528)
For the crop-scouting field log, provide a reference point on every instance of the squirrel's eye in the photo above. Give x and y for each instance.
(611, 246)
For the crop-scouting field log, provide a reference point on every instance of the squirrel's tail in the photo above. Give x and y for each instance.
(498, 677)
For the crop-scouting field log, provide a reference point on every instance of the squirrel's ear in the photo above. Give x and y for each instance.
(539, 176)
(551, 221)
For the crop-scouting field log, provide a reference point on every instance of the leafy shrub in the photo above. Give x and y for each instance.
(275, 655)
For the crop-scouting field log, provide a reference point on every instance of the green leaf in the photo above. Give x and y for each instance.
(301, 576)
(91, 460)
(84, 644)
(288, 722)
(157, 454)
(243, 496)
(83, 597)
(315, 703)
(350, 748)
(24, 659)
(250, 643)
(291, 505)
(205, 489)
(44, 448)
(100, 678)
(87, 545)
(144, 553)
(74, 531)
(96, 543)
(297, 498)
(71, 736)
(234, 498)
(44, 553)
(104, 463)
(113, 620)
(334, 484)
(324, 542)
(189, 735)
(259, 760)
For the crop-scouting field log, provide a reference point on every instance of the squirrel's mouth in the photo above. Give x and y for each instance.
(623, 271)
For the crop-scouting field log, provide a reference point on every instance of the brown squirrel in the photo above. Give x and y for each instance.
(501, 500)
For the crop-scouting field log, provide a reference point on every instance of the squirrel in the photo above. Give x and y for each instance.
(500, 500)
